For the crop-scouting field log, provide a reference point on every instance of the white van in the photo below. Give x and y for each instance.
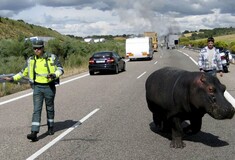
(139, 47)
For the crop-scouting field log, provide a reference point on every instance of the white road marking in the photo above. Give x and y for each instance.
(226, 94)
(141, 75)
(229, 98)
(74, 79)
(155, 62)
(14, 99)
(189, 57)
(26, 95)
(46, 147)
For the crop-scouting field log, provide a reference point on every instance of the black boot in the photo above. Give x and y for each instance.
(33, 136)
(50, 131)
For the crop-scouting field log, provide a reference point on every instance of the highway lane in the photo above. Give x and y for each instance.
(122, 126)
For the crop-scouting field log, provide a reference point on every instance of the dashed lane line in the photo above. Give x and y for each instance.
(141, 75)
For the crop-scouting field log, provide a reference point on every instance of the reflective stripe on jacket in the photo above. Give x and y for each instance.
(36, 69)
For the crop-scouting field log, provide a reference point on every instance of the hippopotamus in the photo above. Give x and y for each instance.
(176, 96)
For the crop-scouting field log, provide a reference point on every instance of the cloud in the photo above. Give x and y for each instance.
(92, 17)
(8, 7)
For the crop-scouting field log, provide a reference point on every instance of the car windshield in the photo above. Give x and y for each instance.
(102, 55)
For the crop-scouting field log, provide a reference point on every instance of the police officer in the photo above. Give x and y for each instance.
(43, 70)
(209, 60)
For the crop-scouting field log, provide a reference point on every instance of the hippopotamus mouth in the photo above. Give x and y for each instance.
(221, 112)
(220, 109)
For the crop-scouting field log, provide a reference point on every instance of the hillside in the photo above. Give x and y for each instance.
(18, 28)
(225, 38)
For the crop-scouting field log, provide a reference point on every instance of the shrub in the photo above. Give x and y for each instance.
(231, 44)
(184, 41)
(232, 49)
(9, 65)
(221, 44)
(202, 44)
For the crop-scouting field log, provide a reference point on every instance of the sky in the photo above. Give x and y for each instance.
(117, 17)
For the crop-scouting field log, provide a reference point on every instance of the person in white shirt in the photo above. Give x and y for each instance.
(209, 60)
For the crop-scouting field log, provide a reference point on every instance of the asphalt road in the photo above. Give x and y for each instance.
(105, 117)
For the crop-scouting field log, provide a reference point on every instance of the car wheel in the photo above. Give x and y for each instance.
(124, 67)
(91, 72)
(225, 69)
(116, 69)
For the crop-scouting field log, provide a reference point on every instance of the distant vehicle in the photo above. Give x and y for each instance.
(172, 41)
(45, 39)
(153, 35)
(106, 61)
(139, 48)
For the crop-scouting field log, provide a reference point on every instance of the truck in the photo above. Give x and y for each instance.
(139, 48)
(154, 37)
(172, 41)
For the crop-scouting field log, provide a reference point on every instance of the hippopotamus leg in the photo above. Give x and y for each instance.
(159, 117)
(177, 134)
(156, 117)
(194, 127)
(157, 121)
(161, 123)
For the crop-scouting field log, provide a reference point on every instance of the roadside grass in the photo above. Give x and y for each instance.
(226, 38)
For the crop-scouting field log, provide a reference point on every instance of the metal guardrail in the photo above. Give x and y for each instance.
(2, 76)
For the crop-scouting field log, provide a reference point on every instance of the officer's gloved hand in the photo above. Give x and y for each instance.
(51, 76)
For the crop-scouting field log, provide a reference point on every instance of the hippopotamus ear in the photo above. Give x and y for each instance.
(200, 79)
(203, 78)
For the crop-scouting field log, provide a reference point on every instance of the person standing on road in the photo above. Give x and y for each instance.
(209, 60)
(43, 70)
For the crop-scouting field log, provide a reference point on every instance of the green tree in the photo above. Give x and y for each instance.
(55, 47)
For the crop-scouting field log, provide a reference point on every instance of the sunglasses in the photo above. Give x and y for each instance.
(38, 48)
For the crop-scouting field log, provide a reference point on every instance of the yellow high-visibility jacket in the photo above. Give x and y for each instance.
(38, 68)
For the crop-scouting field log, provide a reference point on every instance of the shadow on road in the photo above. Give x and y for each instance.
(58, 126)
(202, 137)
